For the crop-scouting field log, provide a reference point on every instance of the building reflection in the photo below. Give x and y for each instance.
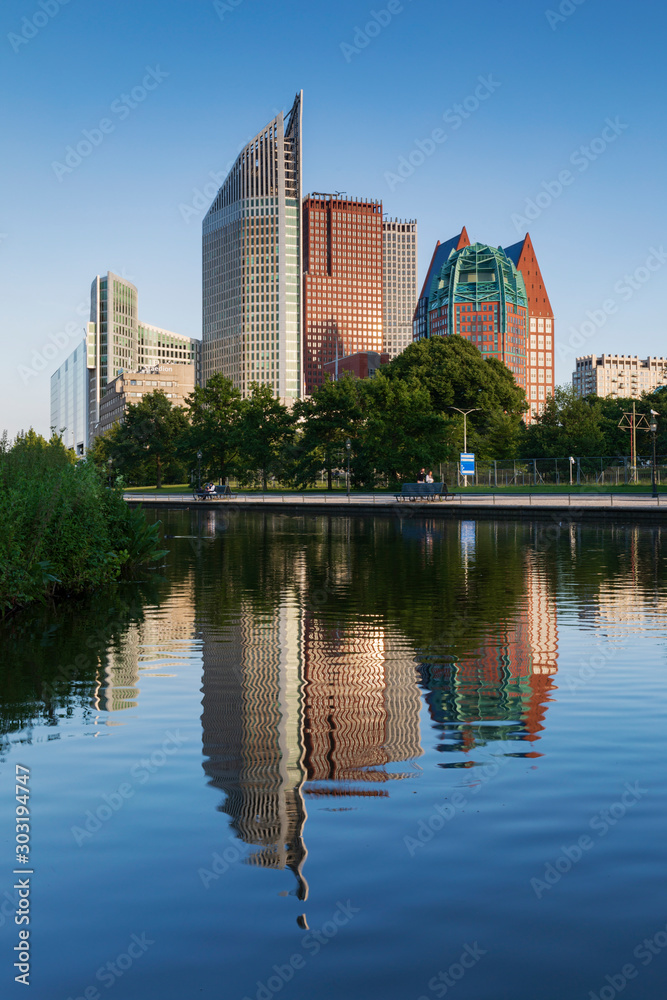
(501, 690)
(295, 709)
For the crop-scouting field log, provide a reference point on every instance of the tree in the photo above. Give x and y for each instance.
(150, 432)
(454, 373)
(214, 413)
(265, 427)
(569, 425)
(332, 414)
(401, 431)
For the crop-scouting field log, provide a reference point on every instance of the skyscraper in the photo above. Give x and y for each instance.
(115, 342)
(342, 280)
(399, 283)
(251, 256)
(479, 294)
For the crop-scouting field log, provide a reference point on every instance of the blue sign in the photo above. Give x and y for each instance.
(467, 463)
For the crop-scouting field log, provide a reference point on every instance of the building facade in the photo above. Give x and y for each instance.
(115, 341)
(538, 372)
(252, 268)
(479, 295)
(177, 382)
(342, 283)
(622, 375)
(69, 400)
(399, 283)
(364, 364)
(540, 355)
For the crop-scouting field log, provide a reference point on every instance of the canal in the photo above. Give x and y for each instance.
(328, 757)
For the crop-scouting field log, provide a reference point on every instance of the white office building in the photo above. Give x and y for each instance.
(625, 376)
(399, 283)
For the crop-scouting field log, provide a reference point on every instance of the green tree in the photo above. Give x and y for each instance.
(400, 433)
(332, 414)
(264, 430)
(569, 425)
(214, 414)
(150, 432)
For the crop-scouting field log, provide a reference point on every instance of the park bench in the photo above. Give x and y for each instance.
(424, 491)
(221, 492)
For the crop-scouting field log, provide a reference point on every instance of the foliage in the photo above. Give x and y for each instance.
(265, 429)
(149, 437)
(62, 531)
(332, 414)
(214, 413)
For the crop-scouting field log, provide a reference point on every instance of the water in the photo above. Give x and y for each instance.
(343, 758)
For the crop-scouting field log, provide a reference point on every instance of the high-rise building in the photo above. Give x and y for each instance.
(399, 283)
(537, 371)
(540, 348)
(479, 295)
(115, 342)
(440, 256)
(624, 376)
(342, 284)
(251, 256)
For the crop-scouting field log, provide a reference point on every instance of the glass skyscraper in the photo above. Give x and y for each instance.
(251, 257)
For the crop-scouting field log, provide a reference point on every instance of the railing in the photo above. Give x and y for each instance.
(593, 499)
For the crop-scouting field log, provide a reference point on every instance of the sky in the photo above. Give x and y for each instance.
(548, 118)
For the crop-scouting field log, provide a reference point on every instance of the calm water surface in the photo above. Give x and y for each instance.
(346, 758)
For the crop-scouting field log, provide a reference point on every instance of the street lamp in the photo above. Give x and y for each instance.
(199, 458)
(653, 427)
(348, 446)
(465, 413)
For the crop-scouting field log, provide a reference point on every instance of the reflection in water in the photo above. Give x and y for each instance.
(320, 637)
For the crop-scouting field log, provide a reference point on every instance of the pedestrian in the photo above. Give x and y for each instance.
(429, 476)
(421, 478)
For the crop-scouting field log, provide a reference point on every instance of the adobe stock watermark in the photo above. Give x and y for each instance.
(566, 9)
(626, 288)
(587, 671)
(109, 973)
(378, 21)
(311, 943)
(31, 26)
(454, 117)
(644, 952)
(601, 823)
(122, 107)
(202, 197)
(224, 7)
(581, 158)
(446, 980)
(221, 863)
(113, 802)
(443, 812)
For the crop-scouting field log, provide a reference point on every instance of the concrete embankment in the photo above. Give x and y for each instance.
(580, 507)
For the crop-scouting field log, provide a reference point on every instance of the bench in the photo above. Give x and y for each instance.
(220, 493)
(424, 491)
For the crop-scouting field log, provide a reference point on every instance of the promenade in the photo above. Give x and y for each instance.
(583, 506)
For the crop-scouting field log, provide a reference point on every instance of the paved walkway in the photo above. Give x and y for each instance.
(592, 500)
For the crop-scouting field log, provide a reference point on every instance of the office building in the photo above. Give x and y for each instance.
(69, 400)
(342, 284)
(624, 376)
(251, 257)
(479, 295)
(177, 382)
(399, 283)
(115, 341)
(363, 364)
(536, 372)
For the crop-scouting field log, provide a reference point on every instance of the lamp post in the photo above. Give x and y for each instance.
(465, 413)
(348, 447)
(110, 463)
(653, 427)
(199, 458)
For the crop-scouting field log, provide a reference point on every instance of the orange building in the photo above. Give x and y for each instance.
(342, 280)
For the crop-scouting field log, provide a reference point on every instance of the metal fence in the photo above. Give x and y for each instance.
(574, 471)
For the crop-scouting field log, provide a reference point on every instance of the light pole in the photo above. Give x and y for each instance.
(653, 427)
(465, 413)
(199, 457)
(348, 446)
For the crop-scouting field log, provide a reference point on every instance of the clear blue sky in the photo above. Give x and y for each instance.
(554, 81)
